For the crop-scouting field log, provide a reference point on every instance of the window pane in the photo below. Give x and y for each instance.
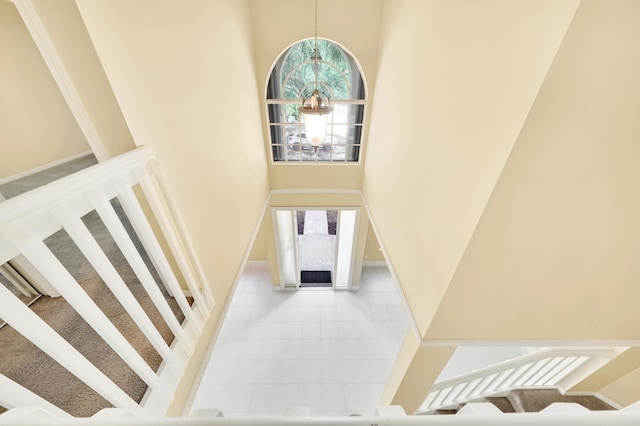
(324, 153)
(338, 152)
(293, 152)
(354, 134)
(294, 74)
(294, 133)
(277, 135)
(353, 153)
(338, 134)
(307, 153)
(340, 113)
(275, 113)
(356, 113)
(278, 152)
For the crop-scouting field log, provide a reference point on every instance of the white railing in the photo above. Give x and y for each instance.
(26, 220)
(554, 415)
(547, 368)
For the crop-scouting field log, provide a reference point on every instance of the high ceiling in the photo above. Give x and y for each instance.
(500, 139)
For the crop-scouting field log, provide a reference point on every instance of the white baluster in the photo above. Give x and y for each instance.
(38, 332)
(156, 169)
(128, 249)
(13, 395)
(177, 248)
(41, 257)
(79, 233)
(146, 235)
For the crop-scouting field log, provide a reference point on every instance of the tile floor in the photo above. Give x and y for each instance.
(330, 351)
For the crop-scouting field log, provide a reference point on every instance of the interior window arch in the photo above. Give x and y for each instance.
(292, 75)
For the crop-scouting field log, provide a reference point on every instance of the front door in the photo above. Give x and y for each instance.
(315, 247)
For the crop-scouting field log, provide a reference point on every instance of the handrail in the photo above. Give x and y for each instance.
(583, 418)
(541, 369)
(30, 209)
(27, 219)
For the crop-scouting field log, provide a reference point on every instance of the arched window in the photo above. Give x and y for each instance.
(292, 75)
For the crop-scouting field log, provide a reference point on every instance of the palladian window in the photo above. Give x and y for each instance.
(339, 77)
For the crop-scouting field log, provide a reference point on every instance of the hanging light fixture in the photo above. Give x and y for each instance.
(315, 108)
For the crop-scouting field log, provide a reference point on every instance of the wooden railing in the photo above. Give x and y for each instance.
(28, 219)
(546, 368)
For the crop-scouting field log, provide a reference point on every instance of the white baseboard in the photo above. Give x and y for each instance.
(257, 262)
(374, 264)
(44, 167)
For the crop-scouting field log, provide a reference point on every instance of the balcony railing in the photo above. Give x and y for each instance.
(28, 219)
(547, 368)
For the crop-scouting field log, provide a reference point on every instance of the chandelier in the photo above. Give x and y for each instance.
(316, 106)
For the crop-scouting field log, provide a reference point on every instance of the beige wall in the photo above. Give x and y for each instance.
(455, 83)
(618, 380)
(183, 74)
(372, 250)
(280, 23)
(36, 126)
(68, 34)
(556, 251)
(624, 391)
(260, 248)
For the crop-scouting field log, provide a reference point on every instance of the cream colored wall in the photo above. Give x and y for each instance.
(372, 247)
(36, 126)
(455, 83)
(616, 379)
(184, 76)
(260, 249)
(354, 24)
(624, 391)
(415, 370)
(68, 34)
(556, 251)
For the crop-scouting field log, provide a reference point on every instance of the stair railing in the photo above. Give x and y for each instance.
(547, 368)
(28, 219)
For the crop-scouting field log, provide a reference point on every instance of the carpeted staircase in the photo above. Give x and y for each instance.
(535, 400)
(24, 363)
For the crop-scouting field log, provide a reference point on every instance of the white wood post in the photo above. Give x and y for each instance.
(156, 170)
(38, 332)
(146, 235)
(173, 240)
(79, 233)
(39, 255)
(128, 249)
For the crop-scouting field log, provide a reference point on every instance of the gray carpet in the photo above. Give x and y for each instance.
(26, 364)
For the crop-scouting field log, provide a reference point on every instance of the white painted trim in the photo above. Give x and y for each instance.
(42, 168)
(374, 264)
(257, 262)
(315, 191)
(38, 32)
(538, 343)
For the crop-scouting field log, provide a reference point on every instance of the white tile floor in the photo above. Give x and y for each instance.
(330, 351)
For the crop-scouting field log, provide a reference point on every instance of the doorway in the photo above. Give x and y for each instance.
(315, 246)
